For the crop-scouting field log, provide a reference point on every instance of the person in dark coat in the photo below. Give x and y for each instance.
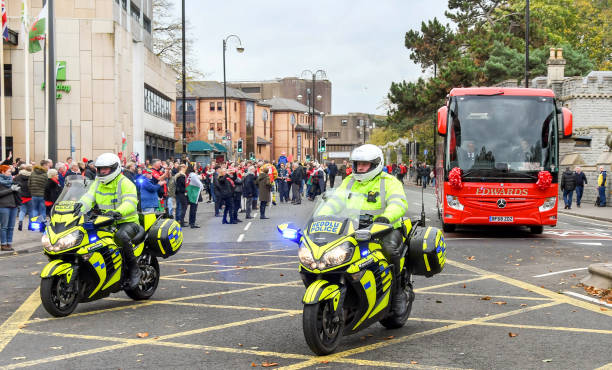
(297, 176)
(53, 189)
(237, 194)
(581, 180)
(249, 190)
(9, 201)
(333, 172)
(181, 195)
(26, 198)
(90, 171)
(568, 184)
(37, 184)
(264, 186)
(224, 191)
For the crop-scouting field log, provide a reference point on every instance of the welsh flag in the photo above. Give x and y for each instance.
(123, 146)
(38, 31)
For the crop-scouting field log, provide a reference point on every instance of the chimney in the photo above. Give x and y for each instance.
(556, 66)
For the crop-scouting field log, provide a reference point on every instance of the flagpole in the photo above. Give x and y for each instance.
(27, 81)
(52, 72)
(3, 117)
(46, 95)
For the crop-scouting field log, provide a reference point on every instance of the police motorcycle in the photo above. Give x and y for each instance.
(85, 264)
(348, 280)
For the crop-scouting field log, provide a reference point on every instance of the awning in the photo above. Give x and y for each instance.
(199, 146)
(262, 141)
(220, 148)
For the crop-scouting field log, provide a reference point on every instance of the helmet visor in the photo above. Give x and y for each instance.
(106, 170)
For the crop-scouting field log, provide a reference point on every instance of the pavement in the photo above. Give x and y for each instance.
(25, 241)
(589, 211)
(231, 299)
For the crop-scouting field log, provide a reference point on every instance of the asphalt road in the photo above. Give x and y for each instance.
(231, 299)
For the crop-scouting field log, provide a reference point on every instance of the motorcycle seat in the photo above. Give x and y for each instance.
(140, 237)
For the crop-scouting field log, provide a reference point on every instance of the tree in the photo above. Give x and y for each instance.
(167, 36)
(431, 46)
(471, 13)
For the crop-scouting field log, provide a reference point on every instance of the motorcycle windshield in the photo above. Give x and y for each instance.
(75, 186)
(332, 214)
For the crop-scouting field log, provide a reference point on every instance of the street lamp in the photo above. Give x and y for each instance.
(239, 49)
(322, 75)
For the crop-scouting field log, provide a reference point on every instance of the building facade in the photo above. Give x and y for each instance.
(345, 132)
(290, 88)
(113, 85)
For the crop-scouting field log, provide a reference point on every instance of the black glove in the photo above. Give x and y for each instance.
(114, 214)
(382, 220)
(77, 208)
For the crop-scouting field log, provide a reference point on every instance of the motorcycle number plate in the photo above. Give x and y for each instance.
(332, 227)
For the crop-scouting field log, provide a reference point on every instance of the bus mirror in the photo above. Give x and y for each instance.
(442, 117)
(568, 121)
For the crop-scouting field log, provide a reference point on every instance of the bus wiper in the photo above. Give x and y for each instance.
(492, 94)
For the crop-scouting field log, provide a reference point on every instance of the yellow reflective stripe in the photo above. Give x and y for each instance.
(397, 196)
(427, 232)
(426, 262)
(89, 196)
(399, 203)
(106, 207)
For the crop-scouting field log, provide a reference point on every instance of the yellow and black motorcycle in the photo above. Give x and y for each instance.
(85, 264)
(348, 280)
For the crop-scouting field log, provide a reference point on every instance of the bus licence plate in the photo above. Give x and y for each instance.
(501, 219)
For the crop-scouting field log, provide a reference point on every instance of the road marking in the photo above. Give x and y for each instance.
(588, 243)
(11, 326)
(240, 237)
(605, 367)
(247, 226)
(561, 272)
(534, 288)
(386, 343)
(492, 296)
(587, 298)
(483, 277)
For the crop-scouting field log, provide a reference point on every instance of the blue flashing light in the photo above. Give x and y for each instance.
(290, 234)
(93, 239)
(35, 226)
(140, 181)
(364, 253)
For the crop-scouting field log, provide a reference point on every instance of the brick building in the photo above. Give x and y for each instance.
(346, 131)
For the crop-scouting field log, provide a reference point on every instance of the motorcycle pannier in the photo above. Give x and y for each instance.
(427, 251)
(165, 237)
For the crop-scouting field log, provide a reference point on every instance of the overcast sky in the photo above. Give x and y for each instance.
(359, 43)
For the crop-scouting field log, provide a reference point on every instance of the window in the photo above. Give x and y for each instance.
(124, 4)
(212, 106)
(219, 106)
(293, 121)
(219, 126)
(134, 11)
(8, 80)
(146, 23)
(333, 134)
(235, 127)
(259, 148)
(264, 128)
(344, 122)
(251, 90)
(235, 107)
(212, 127)
(156, 103)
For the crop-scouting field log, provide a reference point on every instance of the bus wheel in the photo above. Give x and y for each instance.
(448, 228)
(536, 229)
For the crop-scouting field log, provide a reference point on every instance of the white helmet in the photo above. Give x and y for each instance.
(367, 153)
(108, 160)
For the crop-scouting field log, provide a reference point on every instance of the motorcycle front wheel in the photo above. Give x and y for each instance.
(149, 278)
(322, 327)
(57, 296)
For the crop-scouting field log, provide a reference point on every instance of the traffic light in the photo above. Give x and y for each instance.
(239, 146)
(251, 156)
(322, 145)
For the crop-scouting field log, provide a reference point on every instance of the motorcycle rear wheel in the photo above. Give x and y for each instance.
(149, 278)
(55, 298)
(321, 332)
(393, 321)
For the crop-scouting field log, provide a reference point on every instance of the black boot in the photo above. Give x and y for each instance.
(399, 300)
(20, 227)
(133, 275)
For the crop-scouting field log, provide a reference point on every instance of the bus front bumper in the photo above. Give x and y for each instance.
(529, 217)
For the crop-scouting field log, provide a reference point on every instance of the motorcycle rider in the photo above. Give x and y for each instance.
(116, 197)
(386, 200)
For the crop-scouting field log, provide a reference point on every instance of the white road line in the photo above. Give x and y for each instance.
(240, 238)
(589, 243)
(247, 226)
(587, 298)
(561, 272)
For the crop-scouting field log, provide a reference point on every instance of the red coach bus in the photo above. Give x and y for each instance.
(498, 161)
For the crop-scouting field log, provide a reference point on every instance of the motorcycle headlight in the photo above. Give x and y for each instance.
(549, 204)
(338, 255)
(46, 243)
(68, 241)
(305, 256)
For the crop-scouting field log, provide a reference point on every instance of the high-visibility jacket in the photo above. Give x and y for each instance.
(118, 195)
(388, 194)
(602, 179)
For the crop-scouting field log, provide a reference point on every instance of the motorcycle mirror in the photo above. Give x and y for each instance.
(363, 235)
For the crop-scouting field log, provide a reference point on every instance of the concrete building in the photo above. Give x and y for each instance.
(289, 88)
(346, 131)
(247, 119)
(114, 85)
(590, 100)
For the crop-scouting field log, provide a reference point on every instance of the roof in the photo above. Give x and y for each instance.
(199, 146)
(286, 105)
(262, 141)
(513, 91)
(211, 89)
(220, 148)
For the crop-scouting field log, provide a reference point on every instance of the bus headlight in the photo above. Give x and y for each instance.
(453, 202)
(549, 204)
